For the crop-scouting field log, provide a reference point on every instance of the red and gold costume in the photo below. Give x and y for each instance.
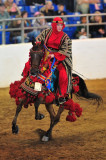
(59, 44)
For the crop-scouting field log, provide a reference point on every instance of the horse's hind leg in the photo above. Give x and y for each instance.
(14, 126)
(38, 116)
(54, 121)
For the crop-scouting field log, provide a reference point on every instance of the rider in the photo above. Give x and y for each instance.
(57, 44)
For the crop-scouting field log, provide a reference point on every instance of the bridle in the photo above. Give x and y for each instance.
(39, 53)
(36, 52)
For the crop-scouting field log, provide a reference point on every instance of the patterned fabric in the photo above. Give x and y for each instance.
(65, 48)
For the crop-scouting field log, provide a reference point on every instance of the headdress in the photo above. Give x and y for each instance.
(55, 22)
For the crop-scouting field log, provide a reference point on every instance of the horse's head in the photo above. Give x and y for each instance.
(36, 54)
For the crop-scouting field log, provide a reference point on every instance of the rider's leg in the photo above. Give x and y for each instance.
(63, 83)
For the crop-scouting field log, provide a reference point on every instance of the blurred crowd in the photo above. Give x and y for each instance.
(11, 9)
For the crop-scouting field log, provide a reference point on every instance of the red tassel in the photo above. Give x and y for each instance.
(75, 89)
(14, 88)
(71, 117)
(78, 110)
(50, 98)
(41, 95)
(69, 105)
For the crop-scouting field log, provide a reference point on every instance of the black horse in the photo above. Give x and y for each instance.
(36, 54)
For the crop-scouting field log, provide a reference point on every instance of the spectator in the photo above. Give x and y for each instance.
(81, 31)
(99, 6)
(12, 8)
(83, 5)
(39, 22)
(97, 31)
(61, 11)
(4, 14)
(48, 10)
(29, 32)
(15, 36)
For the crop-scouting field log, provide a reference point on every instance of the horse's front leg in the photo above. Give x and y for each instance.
(15, 128)
(38, 116)
(54, 121)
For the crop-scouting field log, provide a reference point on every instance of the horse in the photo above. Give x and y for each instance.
(36, 54)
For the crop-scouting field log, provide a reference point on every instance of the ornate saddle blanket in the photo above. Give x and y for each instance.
(31, 87)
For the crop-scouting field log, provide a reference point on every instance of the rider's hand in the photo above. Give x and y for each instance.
(51, 55)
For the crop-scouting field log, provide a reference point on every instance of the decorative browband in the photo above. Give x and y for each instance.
(38, 52)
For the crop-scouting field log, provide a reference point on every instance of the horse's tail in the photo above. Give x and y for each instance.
(84, 93)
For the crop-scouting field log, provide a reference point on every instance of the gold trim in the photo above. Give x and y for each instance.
(58, 21)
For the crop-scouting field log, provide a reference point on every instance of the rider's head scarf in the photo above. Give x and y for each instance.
(55, 22)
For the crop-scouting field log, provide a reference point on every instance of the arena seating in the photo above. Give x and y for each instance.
(7, 36)
(22, 8)
(92, 8)
(31, 10)
(20, 2)
(71, 20)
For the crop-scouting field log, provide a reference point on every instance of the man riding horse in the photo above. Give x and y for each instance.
(52, 51)
(57, 45)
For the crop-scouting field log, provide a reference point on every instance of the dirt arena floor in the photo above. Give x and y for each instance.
(84, 139)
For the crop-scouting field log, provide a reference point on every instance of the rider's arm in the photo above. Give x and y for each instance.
(65, 51)
(59, 56)
(42, 35)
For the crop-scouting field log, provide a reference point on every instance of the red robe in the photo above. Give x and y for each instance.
(54, 42)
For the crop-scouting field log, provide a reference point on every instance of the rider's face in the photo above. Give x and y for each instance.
(59, 27)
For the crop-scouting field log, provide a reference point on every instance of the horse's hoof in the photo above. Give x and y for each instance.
(45, 139)
(39, 116)
(15, 129)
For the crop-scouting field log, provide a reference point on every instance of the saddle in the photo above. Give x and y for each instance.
(40, 83)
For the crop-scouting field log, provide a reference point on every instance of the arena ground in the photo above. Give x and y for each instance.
(84, 139)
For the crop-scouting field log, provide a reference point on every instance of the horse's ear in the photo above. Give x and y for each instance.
(33, 41)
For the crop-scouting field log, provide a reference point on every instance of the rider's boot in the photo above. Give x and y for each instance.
(63, 99)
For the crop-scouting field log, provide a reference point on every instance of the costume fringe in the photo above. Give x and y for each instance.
(74, 110)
